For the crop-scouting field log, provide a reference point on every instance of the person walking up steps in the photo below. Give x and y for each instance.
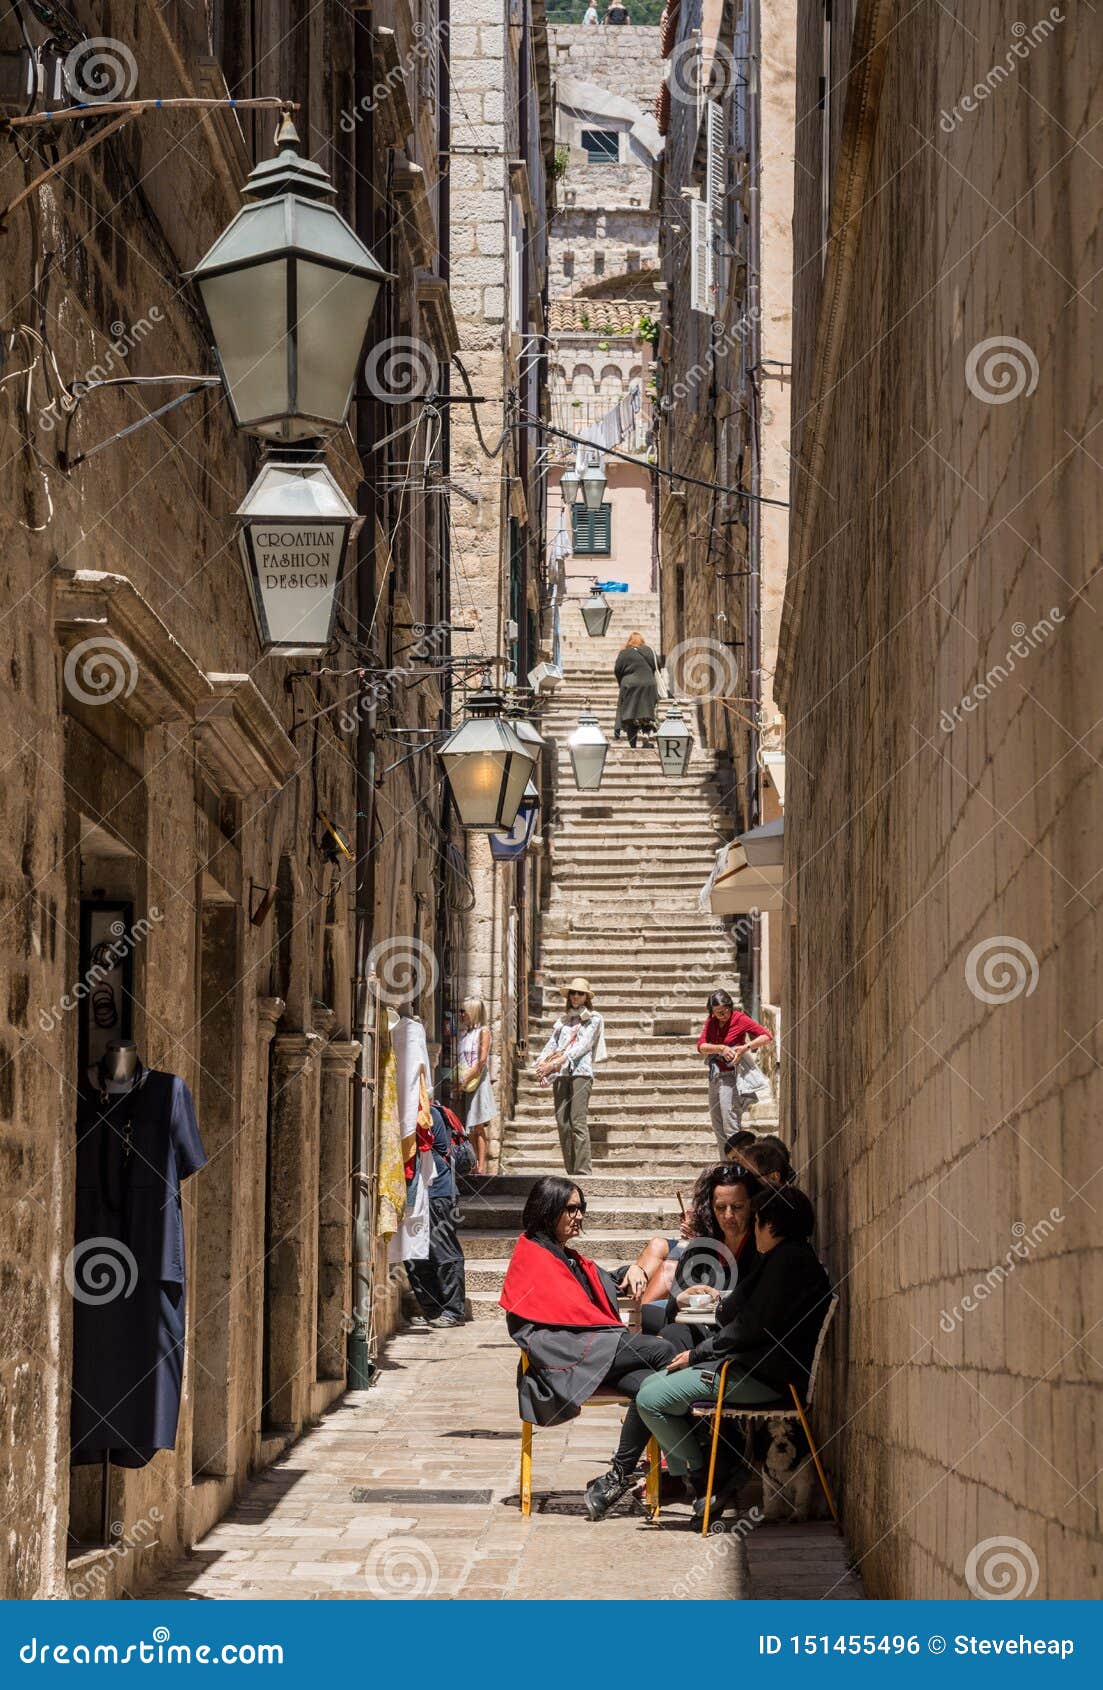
(567, 1061)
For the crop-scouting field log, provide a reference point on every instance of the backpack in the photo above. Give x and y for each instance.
(463, 1158)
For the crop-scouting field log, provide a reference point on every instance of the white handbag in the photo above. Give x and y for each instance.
(750, 1081)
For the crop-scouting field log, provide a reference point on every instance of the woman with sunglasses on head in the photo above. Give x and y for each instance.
(716, 1249)
(561, 1310)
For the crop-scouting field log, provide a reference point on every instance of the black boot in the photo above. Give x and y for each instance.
(606, 1492)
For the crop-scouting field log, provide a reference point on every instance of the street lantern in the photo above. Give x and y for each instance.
(597, 613)
(295, 529)
(588, 749)
(508, 847)
(526, 732)
(569, 483)
(487, 766)
(675, 743)
(288, 289)
(593, 486)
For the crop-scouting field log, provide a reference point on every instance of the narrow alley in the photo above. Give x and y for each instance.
(410, 1490)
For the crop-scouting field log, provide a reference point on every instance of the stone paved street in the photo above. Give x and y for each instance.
(355, 1509)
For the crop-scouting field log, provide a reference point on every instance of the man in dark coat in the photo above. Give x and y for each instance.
(637, 670)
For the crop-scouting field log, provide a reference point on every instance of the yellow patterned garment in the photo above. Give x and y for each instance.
(392, 1178)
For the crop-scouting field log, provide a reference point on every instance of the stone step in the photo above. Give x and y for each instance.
(601, 1187)
(609, 1247)
(647, 1214)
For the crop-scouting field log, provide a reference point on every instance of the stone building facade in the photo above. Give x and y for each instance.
(939, 675)
(169, 786)
(603, 271)
(725, 184)
(501, 194)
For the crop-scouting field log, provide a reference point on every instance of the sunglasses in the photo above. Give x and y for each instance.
(575, 1209)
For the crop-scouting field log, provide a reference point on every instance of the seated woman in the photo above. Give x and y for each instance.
(767, 1329)
(561, 1309)
(768, 1157)
(717, 1249)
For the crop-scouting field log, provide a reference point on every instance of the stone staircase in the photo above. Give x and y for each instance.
(628, 862)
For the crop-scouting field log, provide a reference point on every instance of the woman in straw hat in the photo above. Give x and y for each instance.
(567, 1061)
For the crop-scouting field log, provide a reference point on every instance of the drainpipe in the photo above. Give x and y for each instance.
(361, 1367)
(754, 578)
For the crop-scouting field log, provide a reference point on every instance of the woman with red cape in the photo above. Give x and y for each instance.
(561, 1309)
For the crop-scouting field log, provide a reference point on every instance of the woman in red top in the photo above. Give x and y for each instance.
(726, 1038)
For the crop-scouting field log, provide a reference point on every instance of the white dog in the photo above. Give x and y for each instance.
(789, 1485)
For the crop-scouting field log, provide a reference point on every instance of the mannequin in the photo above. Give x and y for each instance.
(119, 1065)
(137, 1141)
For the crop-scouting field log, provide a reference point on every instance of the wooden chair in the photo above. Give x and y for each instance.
(653, 1476)
(737, 1411)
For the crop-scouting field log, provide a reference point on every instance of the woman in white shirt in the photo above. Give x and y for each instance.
(567, 1061)
(474, 1077)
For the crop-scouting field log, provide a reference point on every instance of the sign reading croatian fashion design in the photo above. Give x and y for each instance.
(296, 526)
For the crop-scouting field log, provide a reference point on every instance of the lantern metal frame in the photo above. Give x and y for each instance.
(594, 483)
(588, 735)
(597, 613)
(491, 735)
(675, 720)
(296, 189)
(277, 476)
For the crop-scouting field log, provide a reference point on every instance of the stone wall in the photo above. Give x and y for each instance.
(940, 677)
(624, 60)
(117, 785)
(503, 359)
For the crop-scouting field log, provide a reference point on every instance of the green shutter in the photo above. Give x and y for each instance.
(592, 531)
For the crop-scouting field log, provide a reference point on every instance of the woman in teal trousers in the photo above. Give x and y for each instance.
(767, 1329)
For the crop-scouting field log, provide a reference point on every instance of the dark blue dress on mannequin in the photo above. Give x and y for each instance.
(126, 1271)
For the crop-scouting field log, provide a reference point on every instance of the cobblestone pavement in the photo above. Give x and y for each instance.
(410, 1489)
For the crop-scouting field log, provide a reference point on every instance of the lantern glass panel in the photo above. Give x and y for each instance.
(333, 311)
(588, 763)
(248, 314)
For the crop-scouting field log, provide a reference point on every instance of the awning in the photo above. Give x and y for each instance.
(748, 875)
(774, 764)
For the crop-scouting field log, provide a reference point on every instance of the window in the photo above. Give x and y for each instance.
(568, 264)
(631, 261)
(602, 146)
(702, 294)
(592, 534)
(599, 264)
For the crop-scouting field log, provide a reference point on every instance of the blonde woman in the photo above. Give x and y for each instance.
(474, 1077)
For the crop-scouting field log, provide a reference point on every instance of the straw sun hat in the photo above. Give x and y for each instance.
(578, 984)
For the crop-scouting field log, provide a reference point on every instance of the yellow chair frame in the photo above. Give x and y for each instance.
(717, 1411)
(602, 1397)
